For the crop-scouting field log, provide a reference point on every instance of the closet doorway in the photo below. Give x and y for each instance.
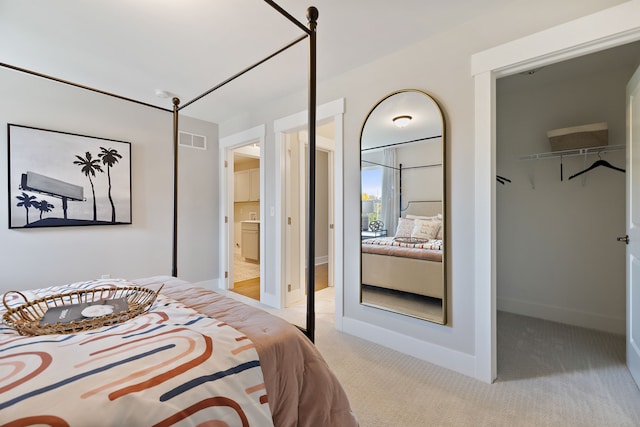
(242, 231)
(560, 272)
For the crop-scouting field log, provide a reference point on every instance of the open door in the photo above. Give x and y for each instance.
(294, 227)
(295, 170)
(633, 226)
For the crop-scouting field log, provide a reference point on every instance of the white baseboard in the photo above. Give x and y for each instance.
(616, 325)
(447, 358)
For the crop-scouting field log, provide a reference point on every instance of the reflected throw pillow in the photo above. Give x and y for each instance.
(405, 227)
(425, 229)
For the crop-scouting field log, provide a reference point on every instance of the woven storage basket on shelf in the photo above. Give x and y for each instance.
(26, 318)
(592, 135)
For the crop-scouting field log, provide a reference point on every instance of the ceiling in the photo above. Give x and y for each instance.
(625, 57)
(135, 47)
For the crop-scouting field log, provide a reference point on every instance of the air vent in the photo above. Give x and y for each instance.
(191, 140)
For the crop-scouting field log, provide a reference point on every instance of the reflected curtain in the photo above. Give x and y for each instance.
(390, 180)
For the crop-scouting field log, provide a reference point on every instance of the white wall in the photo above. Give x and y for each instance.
(557, 257)
(41, 257)
(198, 214)
(440, 66)
(421, 183)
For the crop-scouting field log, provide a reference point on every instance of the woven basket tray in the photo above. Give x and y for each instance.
(26, 318)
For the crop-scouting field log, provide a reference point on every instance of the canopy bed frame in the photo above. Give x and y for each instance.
(310, 34)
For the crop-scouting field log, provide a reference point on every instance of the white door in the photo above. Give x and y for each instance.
(323, 145)
(294, 278)
(633, 226)
(330, 207)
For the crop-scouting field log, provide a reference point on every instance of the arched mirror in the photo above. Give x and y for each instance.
(402, 166)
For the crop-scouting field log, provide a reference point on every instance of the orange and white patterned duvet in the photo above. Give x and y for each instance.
(169, 367)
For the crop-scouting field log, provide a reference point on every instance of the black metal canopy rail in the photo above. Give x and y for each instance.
(310, 34)
(426, 138)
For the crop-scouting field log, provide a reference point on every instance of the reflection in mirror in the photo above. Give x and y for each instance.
(402, 163)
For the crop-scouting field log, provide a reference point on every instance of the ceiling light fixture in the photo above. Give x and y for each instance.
(402, 121)
(161, 93)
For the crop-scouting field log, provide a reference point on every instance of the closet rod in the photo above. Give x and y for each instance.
(574, 152)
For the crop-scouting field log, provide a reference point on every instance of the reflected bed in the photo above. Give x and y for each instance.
(414, 268)
(406, 263)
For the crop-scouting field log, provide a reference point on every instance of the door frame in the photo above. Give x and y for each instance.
(609, 28)
(331, 111)
(226, 187)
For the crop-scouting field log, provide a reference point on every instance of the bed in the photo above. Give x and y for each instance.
(407, 263)
(195, 358)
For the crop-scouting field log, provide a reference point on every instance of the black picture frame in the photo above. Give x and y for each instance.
(61, 179)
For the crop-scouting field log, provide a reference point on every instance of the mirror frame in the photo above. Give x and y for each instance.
(443, 320)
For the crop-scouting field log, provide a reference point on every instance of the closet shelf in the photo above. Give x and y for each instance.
(574, 152)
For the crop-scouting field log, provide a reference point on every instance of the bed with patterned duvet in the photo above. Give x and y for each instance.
(196, 358)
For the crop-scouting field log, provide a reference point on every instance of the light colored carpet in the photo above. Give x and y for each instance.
(549, 374)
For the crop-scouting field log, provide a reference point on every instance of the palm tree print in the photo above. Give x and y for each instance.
(110, 157)
(43, 206)
(27, 201)
(89, 166)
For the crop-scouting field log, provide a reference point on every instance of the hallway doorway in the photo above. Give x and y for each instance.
(329, 130)
(246, 221)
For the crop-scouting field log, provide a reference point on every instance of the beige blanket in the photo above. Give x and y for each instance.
(301, 388)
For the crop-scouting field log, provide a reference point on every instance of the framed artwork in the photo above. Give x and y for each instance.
(59, 179)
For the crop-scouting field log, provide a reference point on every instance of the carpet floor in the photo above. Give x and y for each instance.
(549, 374)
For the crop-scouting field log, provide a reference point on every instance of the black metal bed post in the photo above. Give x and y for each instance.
(400, 187)
(174, 263)
(312, 16)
